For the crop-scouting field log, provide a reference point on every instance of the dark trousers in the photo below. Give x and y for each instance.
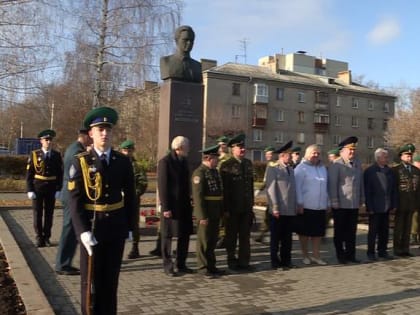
(281, 230)
(402, 229)
(136, 230)
(182, 243)
(238, 227)
(43, 211)
(207, 236)
(68, 241)
(107, 263)
(345, 227)
(378, 229)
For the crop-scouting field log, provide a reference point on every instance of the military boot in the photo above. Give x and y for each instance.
(134, 253)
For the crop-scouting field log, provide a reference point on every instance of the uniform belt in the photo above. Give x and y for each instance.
(213, 198)
(104, 207)
(45, 177)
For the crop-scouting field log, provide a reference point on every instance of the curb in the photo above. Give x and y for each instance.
(29, 290)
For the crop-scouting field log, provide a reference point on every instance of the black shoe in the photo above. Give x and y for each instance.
(247, 268)
(68, 271)
(185, 270)
(286, 267)
(134, 253)
(156, 252)
(40, 242)
(354, 261)
(47, 242)
(385, 256)
(342, 261)
(170, 273)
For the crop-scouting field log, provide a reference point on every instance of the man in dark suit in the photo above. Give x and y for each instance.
(68, 241)
(102, 205)
(180, 66)
(407, 177)
(44, 178)
(380, 200)
(175, 205)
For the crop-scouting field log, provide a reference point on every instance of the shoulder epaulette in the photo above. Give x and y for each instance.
(84, 153)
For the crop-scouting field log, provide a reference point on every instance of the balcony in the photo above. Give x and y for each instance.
(321, 127)
(321, 107)
(259, 122)
(260, 99)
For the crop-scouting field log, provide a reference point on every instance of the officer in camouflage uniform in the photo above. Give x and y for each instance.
(265, 225)
(223, 156)
(407, 178)
(208, 209)
(44, 179)
(238, 194)
(140, 177)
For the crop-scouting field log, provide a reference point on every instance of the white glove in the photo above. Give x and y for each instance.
(57, 194)
(257, 192)
(130, 236)
(31, 195)
(88, 240)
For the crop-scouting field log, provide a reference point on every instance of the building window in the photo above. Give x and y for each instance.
(236, 89)
(322, 97)
(279, 115)
(321, 118)
(236, 111)
(301, 97)
(339, 100)
(300, 137)
(280, 94)
(261, 93)
(257, 155)
(386, 107)
(354, 122)
(319, 138)
(336, 139)
(337, 120)
(257, 135)
(385, 124)
(371, 124)
(301, 117)
(371, 105)
(261, 112)
(370, 142)
(279, 137)
(355, 103)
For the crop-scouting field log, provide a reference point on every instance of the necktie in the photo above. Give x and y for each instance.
(408, 168)
(47, 156)
(103, 160)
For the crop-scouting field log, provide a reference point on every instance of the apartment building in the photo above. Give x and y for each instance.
(293, 97)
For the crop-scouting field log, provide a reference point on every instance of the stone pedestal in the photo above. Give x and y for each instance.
(181, 114)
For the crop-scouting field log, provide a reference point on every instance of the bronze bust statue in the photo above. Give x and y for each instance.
(180, 66)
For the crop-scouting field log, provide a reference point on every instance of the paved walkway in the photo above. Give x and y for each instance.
(391, 287)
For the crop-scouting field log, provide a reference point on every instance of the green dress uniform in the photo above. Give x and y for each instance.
(407, 178)
(238, 195)
(208, 205)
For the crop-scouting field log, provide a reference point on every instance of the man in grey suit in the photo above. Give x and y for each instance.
(345, 185)
(180, 66)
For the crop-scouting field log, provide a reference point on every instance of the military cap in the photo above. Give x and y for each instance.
(416, 158)
(213, 150)
(127, 144)
(408, 148)
(83, 131)
(285, 148)
(222, 139)
(296, 149)
(238, 140)
(335, 151)
(46, 134)
(100, 116)
(269, 148)
(349, 142)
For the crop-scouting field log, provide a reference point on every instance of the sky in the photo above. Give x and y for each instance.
(378, 39)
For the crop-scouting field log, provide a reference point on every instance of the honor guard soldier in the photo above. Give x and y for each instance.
(44, 178)
(140, 177)
(208, 209)
(102, 204)
(407, 178)
(238, 199)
